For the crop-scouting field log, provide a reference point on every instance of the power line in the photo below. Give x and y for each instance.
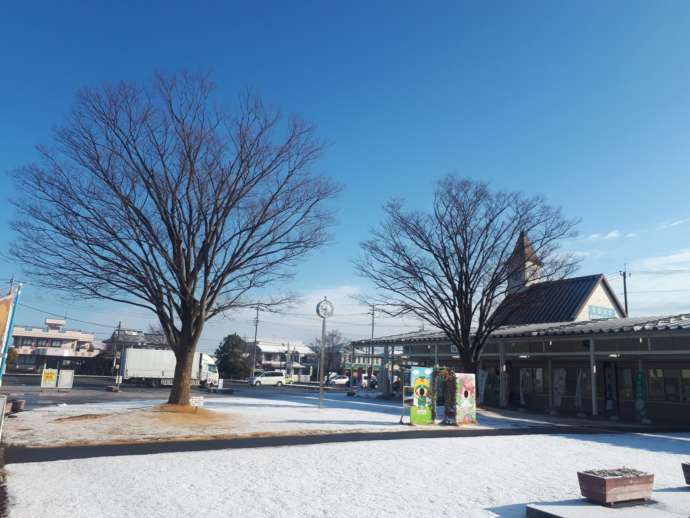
(65, 317)
(658, 291)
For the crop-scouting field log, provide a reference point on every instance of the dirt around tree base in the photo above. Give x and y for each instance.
(186, 414)
(154, 423)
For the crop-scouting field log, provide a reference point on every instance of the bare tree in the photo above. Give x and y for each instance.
(334, 346)
(451, 267)
(154, 196)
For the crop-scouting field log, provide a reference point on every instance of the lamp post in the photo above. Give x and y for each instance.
(324, 309)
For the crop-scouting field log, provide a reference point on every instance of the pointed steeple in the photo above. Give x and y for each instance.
(523, 264)
(523, 251)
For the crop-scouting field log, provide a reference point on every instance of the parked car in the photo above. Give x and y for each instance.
(275, 378)
(339, 380)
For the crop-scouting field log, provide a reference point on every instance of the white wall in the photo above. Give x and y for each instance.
(599, 298)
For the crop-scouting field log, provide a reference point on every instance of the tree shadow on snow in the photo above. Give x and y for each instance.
(653, 442)
(514, 510)
(339, 422)
(508, 511)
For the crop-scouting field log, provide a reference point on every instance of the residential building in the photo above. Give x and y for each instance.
(290, 356)
(123, 338)
(51, 346)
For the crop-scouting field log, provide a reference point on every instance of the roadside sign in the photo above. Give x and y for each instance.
(65, 379)
(196, 401)
(49, 378)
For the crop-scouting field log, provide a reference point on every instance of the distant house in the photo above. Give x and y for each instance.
(290, 356)
(124, 338)
(51, 346)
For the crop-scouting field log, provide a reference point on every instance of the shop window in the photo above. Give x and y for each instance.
(655, 389)
(672, 384)
(526, 380)
(532, 380)
(685, 384)
(538, 379)
(586, 382)
(627, 389)
(665, 385)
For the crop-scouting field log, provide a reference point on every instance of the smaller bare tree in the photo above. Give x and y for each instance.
(334, 346)
(451, 267)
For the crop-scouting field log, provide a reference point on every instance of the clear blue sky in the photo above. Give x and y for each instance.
(587, 103)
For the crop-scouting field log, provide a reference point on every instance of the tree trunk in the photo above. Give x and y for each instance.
(470, 366)
(179, 395)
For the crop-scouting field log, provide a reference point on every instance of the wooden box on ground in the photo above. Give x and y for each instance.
(609, 486)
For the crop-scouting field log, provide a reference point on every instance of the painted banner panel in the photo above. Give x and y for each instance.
(421, 411)
(466, 398)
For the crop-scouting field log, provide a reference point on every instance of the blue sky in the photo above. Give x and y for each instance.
(587, 103)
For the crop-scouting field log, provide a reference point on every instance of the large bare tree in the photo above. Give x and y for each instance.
(450, 266)
(155, 196)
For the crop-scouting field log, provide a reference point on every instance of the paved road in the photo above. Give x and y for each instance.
(93, 389)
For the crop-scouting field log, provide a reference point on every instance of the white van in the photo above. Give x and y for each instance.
(275, 378)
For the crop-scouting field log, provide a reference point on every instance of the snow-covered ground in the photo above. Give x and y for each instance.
(274, 413)
(458, 477)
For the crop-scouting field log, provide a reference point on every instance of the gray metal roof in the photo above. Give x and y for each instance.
(552, 301)
(411, 337)
(660, 324)
(605, 326)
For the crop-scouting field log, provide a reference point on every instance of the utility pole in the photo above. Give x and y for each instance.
(256, 333)
(624, 273)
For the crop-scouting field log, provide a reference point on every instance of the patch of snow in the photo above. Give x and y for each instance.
(282, 413)
(468, 477)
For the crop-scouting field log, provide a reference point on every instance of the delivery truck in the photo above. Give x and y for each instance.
(156, 367)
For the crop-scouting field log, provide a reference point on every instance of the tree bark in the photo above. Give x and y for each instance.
(181, 389)
(470, 366)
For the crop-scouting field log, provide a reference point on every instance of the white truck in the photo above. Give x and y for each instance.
(156, 367)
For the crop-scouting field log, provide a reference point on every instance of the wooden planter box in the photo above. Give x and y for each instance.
(686, 471)
(609, 486)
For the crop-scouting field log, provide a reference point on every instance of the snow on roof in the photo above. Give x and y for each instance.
(281, 346)
(672, 323)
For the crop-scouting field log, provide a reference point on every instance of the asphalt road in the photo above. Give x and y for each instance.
(93, 389)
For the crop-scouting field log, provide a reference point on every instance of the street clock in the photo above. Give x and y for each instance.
(324, 308)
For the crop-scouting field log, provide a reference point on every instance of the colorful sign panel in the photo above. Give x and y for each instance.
(49, 378)
(421, 410)
(466, 397)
